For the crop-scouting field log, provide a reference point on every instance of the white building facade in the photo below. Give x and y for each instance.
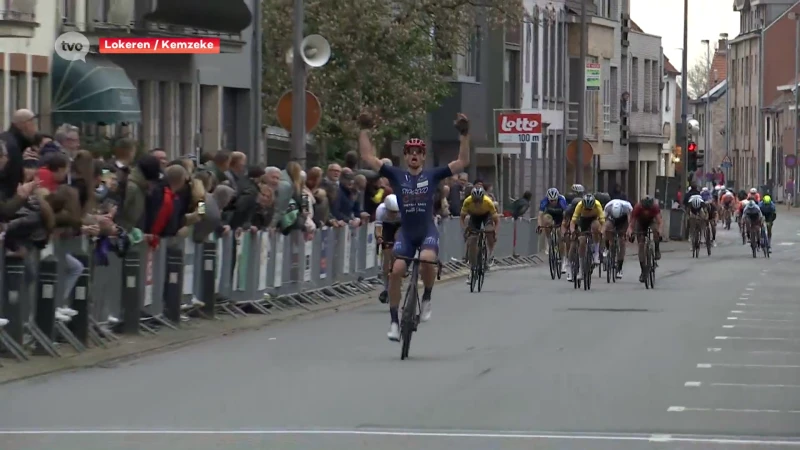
(669, 119)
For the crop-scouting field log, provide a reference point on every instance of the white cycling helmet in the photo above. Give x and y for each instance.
(578, 188)
(696, 202)
(552, 194)
(390, 202)
(616, 210)
(753, 191)
(705, 189)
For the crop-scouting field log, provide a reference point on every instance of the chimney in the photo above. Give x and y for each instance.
(722, 44)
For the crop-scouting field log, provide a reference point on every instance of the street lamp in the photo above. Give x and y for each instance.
(706, 134)
(796, 17)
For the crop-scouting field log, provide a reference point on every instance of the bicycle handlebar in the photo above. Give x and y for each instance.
(422, 261)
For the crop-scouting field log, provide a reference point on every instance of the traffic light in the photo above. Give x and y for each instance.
(692, 156)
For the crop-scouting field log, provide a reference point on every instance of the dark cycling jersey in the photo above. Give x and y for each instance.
(415, 199)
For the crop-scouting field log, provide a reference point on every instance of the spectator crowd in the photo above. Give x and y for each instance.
(51, 188)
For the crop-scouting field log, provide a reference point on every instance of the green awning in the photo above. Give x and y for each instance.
(93, 91)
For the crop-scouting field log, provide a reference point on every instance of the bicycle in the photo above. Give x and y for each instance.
(765, 242)
(477, 271)
(650, 263)
(611, 260)
(554, 251)
(587, 267)
(411, 304)
(754, 238)
(695, 238)
(707, 236)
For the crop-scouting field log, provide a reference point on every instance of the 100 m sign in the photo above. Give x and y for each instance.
(511, 138)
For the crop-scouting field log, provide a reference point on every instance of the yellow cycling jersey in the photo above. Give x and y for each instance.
(478, 209)
(595, 212)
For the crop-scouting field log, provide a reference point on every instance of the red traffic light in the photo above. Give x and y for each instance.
(692, 146)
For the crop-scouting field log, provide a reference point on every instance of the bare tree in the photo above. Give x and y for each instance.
(698, 81)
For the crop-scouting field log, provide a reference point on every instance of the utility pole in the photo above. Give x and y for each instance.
(684, 129)
(796, 17)
(727, 105)
(298, 86)
(256, 109)
(708, 121)
(582, 97)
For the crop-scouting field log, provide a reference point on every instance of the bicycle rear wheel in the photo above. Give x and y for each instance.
(408, 324)
(652, 265)
(587, 267)
(753, 243)
(575, 266)
(708, 241)
(552, 258)
(557, 250)
(481, 267)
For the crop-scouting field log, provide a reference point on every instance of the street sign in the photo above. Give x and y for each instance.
(313, 111)
(726, 162)
(790, 161)
(593, 80)
(519, 128)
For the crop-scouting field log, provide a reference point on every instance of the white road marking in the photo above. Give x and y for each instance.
(748, 289)
(734, 440)
(786, 243)
(783, 313)
(759, 327)
(740, 338)
(764, 320)
(744, 385)
(732, 410)
(692, 384)
(752, 366)
(271, 339)
(714, 349)
(733, 318)
(737, 311)
(661, 438)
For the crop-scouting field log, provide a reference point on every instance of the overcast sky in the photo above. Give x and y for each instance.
(707, 19)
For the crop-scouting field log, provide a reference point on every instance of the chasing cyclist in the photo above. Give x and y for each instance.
(752, 218)
(646, 214)
(415, 189)
(574, 197)
(770, 213)
(387, 223)
(551, 214)
(588, 216)
(617, 214)
(482, 214)
(697, 216)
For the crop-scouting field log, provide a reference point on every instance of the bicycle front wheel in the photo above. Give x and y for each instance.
(408, 323)
(484, 257)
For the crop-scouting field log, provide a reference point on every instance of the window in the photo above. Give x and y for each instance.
(553, 67)
(164, 121)
(614, 94)
(607, 9)
(767, 133)
(67, 9)
(560, 61)
(13, 101)
(666, 96)
(510, 77)
(648, 86)
(545, 59)
(467, 64)
(656, 81)
(36, 104)
(101, 11)
(185, 130)
(634, 84)
(536, 66)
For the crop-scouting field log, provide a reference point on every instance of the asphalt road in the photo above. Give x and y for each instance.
(709, 359)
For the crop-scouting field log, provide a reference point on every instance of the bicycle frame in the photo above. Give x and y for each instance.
(411, 303)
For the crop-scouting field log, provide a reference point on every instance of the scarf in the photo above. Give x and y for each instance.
(164, 214)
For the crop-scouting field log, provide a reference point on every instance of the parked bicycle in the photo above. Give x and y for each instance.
(411, 304)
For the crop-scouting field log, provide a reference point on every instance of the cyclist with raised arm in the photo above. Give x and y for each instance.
(481, 212)
(552, 209)
(415, 189)
(387, 223)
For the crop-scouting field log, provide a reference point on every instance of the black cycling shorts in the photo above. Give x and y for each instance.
(585, 224)
(475, 222)
(620, 225)
(556, 214)
(389, 232)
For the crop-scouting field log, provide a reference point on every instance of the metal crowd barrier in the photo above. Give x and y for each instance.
(235, 275)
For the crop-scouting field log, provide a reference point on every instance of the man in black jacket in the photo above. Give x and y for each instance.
(17, 138)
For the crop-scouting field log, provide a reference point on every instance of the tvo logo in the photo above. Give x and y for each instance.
(72, 46)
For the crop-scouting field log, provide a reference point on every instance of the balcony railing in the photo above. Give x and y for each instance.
(18, 10)
(606, 120)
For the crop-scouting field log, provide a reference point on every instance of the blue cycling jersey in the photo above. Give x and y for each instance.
(545, 204)
(415, 196)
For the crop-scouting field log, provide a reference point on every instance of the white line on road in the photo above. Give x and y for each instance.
(762, 320)
(765, 305)
(740, 338)
(748, 289)
(756, 366)
(759, 327)
(783, 313)
(733, 440)
(714, 349)
(732, 410)
(745, 385)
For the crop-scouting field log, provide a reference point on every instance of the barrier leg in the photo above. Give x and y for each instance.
(173, 285)
(13, 284)
(131, 301)
(208, 293)
(43, 326)
(81, 299)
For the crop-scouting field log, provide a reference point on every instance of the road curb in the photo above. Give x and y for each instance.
(134, 347)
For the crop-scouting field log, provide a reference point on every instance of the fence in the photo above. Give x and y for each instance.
(154, 289)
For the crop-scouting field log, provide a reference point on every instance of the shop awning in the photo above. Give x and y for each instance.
(93, 91)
